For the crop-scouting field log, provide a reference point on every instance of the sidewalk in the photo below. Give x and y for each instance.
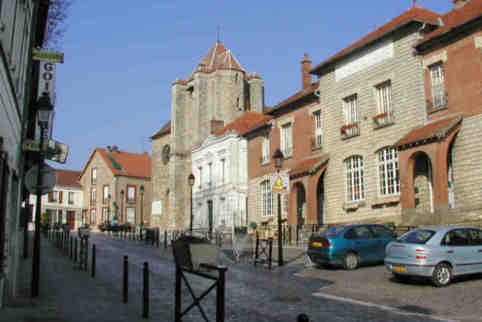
(66, 294)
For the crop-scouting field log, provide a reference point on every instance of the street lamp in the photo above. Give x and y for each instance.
(142, 205)
(44, 111)
(278, 163)
(190, 180)
(122, 207)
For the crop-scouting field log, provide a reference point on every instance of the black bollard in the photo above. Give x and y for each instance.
(256, 251)
(125, 282)
(93, 260)
(302, 318)
(75, 249)
(158, 236)
(220, 291)
(71, 248)
(165, 239)
(270, 252)
(145, 297)
(86, 264)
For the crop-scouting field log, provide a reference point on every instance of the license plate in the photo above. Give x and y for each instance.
(317, 244)
(399, 268)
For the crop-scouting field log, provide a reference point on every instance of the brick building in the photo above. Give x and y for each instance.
(116, 184)
(218, 91)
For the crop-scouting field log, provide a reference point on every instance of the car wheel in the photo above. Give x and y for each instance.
(401, 278)
(350, 261)
(442, 275)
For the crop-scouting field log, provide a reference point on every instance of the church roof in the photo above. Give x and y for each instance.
(245, 123)
(218, 57)
(166, 128)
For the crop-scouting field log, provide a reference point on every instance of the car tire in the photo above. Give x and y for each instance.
(351, 261)
(401, 278)
(442, 275)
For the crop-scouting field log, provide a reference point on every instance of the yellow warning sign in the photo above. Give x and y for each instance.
(279, 182)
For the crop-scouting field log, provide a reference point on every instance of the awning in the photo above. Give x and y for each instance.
(429, 133)
(308, 166)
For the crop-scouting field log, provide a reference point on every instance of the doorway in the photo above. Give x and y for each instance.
(210, 217)
(423, 184)
(320, 196)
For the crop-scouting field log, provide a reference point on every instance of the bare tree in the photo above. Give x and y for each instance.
(56, 25)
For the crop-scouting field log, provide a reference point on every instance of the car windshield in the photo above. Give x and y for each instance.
(333, 231)
(421, 236)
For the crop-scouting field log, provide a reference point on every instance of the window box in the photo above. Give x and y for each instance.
(353, 205)
(386, 201)
(383, 119)
(350, 130)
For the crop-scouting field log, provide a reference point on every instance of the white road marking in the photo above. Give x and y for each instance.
(381, 307)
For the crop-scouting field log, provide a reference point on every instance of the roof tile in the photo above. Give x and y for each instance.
(245, 123)
(68, 178)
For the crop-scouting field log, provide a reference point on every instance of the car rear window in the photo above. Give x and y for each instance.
(420, 236)
(333, 231)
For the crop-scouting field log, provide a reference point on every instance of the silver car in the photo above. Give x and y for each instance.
(439, 253)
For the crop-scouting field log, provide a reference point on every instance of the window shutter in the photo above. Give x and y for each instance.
(51, 196)
(60, 196)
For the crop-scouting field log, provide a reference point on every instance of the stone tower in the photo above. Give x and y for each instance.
(218, 91)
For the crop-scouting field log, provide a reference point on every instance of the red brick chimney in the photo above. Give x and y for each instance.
(305, 72)
(459, 3)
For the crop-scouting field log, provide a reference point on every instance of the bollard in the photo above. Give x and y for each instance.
(86, 264)
(256, 251)
(93, 260)
(158, 236)
(71, 249)
(165, 239)
(270, 252)
(75, 249)
(145, 302)
(302, 318)
(125, 282)
(220, 295)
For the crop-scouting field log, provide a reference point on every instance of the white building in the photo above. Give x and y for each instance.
(64, 204)
(220, 168)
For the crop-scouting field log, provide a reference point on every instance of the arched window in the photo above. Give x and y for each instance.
(388, 172)
(266, 199)
(354, 178)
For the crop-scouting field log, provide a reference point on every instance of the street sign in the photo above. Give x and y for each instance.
(32, 145)
(48, 179)
(50, 56)
(54, 150)
(280, 182)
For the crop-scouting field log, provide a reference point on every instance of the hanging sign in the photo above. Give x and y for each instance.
(48, 56)
(47, 80)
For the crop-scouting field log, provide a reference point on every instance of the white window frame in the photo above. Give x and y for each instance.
(437, 85)
(265, 152)
(105, 194)
(131, 215)
(94, 176)
(210, 173)
(93, 213)
(223, 171)
(287, 139)
(318, 128)
(384, 97)
(354, 181)
(70, 198)
(351, 109)
(93, 195)
(266, 199)
(133, 189)
(105, 214)
(388, 172)
(200, 177)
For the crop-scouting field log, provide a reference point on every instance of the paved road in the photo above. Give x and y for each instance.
(252, 294)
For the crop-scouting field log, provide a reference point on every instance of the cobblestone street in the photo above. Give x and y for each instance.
(252, 294)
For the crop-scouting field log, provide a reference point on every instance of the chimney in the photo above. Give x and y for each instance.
(305, 72)
(459, 3)
(216, 125)
(115, 148)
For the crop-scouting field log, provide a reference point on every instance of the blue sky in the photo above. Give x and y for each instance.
(121, 57)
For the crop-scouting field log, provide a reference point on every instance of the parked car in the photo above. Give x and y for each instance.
(350, 245)
(439, 253)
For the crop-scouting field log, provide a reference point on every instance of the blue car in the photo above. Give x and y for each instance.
(350, 245)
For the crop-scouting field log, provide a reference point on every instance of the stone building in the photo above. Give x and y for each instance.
(23, 25)
(217, 92)
(64, 204)
(116, 185)
(220, 168)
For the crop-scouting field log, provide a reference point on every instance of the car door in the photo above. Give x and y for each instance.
(458, 250)
(382, 236)
(365, 244)
(476, 246)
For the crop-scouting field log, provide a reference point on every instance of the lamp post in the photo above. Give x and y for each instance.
(142, 205)
(122, 207)
(190, 180)
(108, 208)
(278, 163)
(44, 109)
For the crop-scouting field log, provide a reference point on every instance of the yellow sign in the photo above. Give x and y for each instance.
(48, 56)
(31, 145)
(278, 184)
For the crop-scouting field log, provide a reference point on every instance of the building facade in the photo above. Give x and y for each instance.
(64, 204)
(116, 186)
(218, 91)
(23, 26)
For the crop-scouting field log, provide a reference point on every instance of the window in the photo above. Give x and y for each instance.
(265, 152)
(93, 195)
(286, 140)
(105, 194)
(362, 232)
(92, 216)
(131, 193)
(351, 109)
(382, 232)
(354, 178)
(54, 196)
(419, 236)
(94, 175)
(475, 237)
(105, 214)
(71, 198)
(210, 178)
(384, 98)
(223, 174)
(267, 199)
(318, 129)
(437, 83)
(457, 237)
(200, 177)
(388, 172)
(131, 215)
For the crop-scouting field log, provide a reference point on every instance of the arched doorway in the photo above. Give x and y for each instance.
(300, 204)
(423, 183)
(450, 175)
(320, 199)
